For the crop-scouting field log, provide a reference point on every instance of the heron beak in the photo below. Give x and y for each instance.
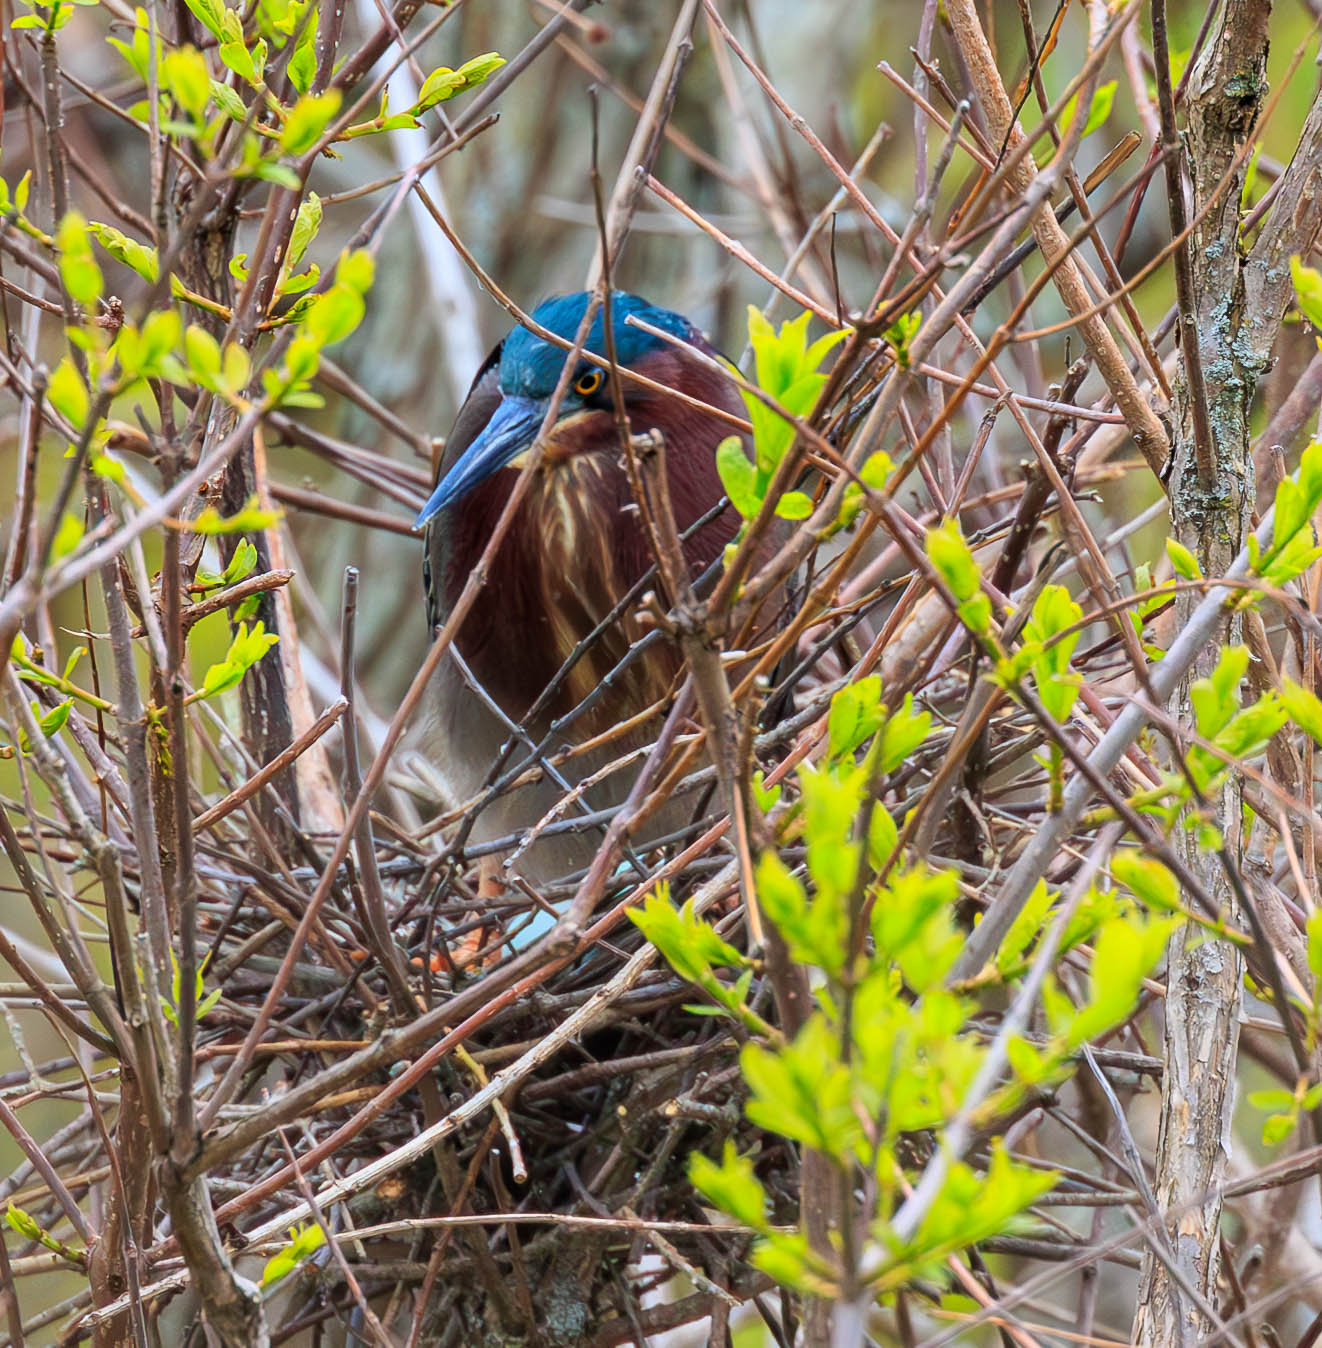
(512, 429)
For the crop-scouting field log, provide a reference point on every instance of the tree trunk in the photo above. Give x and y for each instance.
(1211, 500)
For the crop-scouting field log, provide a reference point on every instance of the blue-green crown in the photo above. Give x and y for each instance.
(530, 365)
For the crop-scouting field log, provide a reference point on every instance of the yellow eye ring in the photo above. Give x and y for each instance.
(588, 383)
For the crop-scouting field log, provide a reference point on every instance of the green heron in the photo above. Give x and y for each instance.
(571, 555)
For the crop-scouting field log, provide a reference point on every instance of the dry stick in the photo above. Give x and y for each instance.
(643, 146)
(80, 565)
(9, 1299)
(476, 1003)
(1289, 1170)
(684, 144)
(1279, 276)
(1147, 430)
(1032, 864)
(319, 504)
(68, 945)
(702, 654)
(805, 539)
(1190, 345)
(823, 217)
(767, 193)
(263, 775)
(131, 1250)
(221, 599)
(573, 1026)
(740, 253)
(56, 1005)
(138, 1045)
(1211, 503)
(376, 920)
(333, 377)
(1136, 335)
(47, 1171)
(132, 718)
(337, 1254)
(29, 449)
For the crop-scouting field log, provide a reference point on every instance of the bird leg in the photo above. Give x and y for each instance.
(489, 883)
(481, 946)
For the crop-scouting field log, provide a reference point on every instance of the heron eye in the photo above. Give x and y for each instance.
(588, 383)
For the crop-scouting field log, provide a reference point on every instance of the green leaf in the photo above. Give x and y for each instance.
(236, 366)
(228, 101)
(1099, 110)
(137, 50)
(1269, 1100)
(732, 1186)
(250, 520)
(738, 476)
(803, 1091)
(1050, 637)
(816, 932)
(303, 1242)
(1314, 930)
(78, 269)
(108, 467)
(767, 797)
(882, 837)
(1183, 561)
(973, 1207)
(856, 715)
(1307, 291)
(1149, 879)
(279, 174)
(334, 315)
(356, 269)
(1125, 950)
(241, 564)
(202, 352)
(1024, 929)
(22, 1222)
(975, 613)
(184, 72)
(210, 13)
(1304, 708)
(900, 334)
(913, 925)
(307, 119)
(905, 730)
(246, 649)
(68, 394)
(690, 945)
(786, 368)
(67, 537)
(306, 224)
(141, 258)
(950, 555)
(53, 721)
(238, 58)
(1216, 697)
(794, 505)
(302, 65)
(443, 83)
